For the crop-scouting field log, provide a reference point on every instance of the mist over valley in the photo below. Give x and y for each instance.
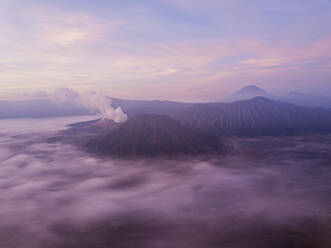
(265, 192)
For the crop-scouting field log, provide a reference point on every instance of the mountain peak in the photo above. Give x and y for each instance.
(251, 90)
(248, 92)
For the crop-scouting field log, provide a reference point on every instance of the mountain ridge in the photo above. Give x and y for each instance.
(257, 116)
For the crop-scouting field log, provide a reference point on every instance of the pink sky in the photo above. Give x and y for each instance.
(177, 50)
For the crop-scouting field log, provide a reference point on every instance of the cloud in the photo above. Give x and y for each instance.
(60, 195)
(45, 46)
(90, 101)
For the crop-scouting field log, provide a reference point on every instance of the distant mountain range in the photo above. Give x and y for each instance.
(198, 128)
(161, 128)
(41, 108)
(307, 100)
(44, 108)
(297, 98)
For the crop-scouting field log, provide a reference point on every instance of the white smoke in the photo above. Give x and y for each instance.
(91, 101)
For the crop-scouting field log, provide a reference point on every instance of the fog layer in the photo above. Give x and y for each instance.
(269, 192)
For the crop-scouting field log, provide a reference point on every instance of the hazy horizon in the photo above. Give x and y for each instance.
(48, 94)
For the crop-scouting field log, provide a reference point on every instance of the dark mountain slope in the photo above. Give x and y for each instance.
(258, 116)
(150, 136)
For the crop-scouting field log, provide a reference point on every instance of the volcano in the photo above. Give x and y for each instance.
(153, 135)
(249, 92)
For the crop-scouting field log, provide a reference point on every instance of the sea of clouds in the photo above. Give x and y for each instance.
(55, 195)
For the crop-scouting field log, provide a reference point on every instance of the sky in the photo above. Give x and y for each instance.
(186, 50)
